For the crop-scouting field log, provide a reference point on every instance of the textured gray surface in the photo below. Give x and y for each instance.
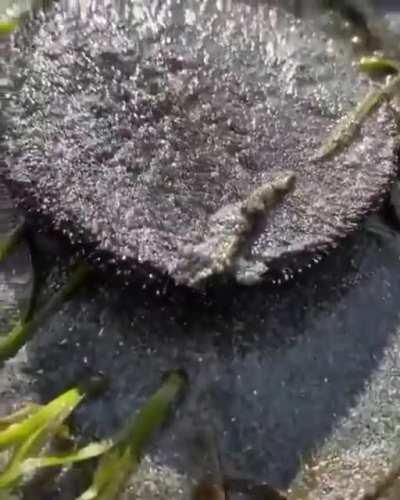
(133, 126)
(274, 371)
(307, 369)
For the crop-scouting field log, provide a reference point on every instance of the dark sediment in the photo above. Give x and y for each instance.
(131, 126)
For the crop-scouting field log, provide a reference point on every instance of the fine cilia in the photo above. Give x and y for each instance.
(229, 234)
(128, 135)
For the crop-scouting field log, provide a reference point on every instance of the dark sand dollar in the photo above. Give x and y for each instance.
(144, 128)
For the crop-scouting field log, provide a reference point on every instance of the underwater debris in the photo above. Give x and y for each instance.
(253, 489)
(34, 430)
(10, 243)
(28, 432)
(344, 133)
(11, 226)
(380, 65)
(16, 272)
(211, 484)
(230, 229)
(27, 436)
(7, 27)
(11, 342)
(123, 458)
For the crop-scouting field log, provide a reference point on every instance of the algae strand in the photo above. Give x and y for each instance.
(23, 331)
(343, 134)
(10, 242)
(116, 465)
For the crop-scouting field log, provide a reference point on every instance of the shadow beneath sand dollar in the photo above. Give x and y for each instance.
(272, 369)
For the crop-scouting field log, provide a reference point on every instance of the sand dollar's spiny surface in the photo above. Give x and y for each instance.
(132, 125)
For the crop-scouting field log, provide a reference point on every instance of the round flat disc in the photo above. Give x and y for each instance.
(143, 128)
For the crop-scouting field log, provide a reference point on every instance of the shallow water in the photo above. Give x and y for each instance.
(277, 371)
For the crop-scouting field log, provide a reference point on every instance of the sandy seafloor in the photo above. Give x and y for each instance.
(304, 373)
(279, 373)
